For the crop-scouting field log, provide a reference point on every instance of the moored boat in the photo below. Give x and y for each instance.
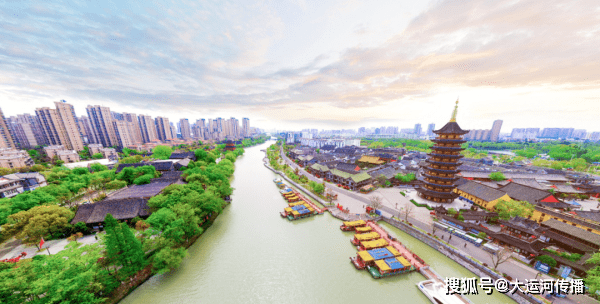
(351, 226)
(368, 257)
(366, 229)
(389, 267)
(368, 245)
(277, 180)
(365, 237)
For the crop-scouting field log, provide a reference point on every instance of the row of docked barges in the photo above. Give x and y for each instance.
(375, 253)
(298, 207)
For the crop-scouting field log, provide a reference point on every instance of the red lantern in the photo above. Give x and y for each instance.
(502, 226)
(532, 254)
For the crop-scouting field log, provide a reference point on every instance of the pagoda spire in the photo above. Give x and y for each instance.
(453, 118)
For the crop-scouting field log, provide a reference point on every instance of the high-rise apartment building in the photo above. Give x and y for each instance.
(125, 133)
(565, 133)
(552, 133)
(102, 122)
(134, 126)
(163, 128)
(22, 132)
(595, 136)
(418, 129)
(147, 128)
(173, 131)
(430, 129)
(184, 126)
(524, 134)
(579, 134)
(6, 138)
(495, 132)
(71, 126)
(60, 126)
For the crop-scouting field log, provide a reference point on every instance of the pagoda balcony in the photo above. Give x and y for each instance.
(432, 193)
(450, 179)
(452, 186)
(448, 140)
(443, 163)
(459, 148)
(442, 170)
(440, 163)
(446, 155)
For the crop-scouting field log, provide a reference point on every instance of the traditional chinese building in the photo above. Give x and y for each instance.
(441, 166)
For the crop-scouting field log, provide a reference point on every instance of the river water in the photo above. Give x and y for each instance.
(252, 255)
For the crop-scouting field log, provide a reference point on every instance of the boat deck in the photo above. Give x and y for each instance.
(407, 254)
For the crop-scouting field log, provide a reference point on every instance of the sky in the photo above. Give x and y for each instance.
(309, 64)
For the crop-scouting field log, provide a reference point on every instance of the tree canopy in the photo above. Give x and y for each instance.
(162, 152)
(497, 176)
(512, 208)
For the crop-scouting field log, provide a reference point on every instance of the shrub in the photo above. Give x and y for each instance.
(144, 179)
(546, 259)
(403, 194)
(116, 184)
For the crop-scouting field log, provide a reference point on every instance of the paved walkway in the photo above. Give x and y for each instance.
(13, 248)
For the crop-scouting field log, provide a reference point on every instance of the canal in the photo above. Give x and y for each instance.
(252, 255)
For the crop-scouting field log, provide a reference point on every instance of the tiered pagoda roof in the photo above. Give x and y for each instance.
(440, 168)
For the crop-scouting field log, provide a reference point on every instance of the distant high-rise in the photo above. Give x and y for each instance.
(6, 138)
(524, 134)
(125, 132)
(60, 126)
(565, 133)
(246, 127)
(418, 129)
(552, 133)
(22, 132)
(88, 133)
(595, 136)
(101, 120)
(579, 134)
(71, 126)
(430, 129)
(163, 128)
(148, 128)
(134, 126)
(184, 126)
(495, 132)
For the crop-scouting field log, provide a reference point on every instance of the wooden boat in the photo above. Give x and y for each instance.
(351, 226)
(389, 267)
(365, 237)
(277, 180)
(368, 257)
(368, 245)
(365, 229)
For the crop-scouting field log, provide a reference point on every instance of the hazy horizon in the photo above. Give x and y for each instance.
(297, 64)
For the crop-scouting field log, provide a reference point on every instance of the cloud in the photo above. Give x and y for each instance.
(215, 56)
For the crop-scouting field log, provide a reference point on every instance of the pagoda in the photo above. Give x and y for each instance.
(440, 168)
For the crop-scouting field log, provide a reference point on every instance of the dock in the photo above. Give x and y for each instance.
(415, 260)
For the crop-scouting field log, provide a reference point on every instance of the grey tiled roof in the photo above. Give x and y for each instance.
(121, 209)
(524, 193)
(481, 191)
(574, 231)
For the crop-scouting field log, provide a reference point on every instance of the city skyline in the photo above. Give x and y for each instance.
(324, 65)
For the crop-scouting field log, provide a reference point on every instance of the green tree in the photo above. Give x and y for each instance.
(33, 153)
(96, 167)
(162, 152)
(37, 222)
(127, 174)
(405, 178)
(497, 176)
(97, 156)
(509, 209)
(546, 259)
(168, 259)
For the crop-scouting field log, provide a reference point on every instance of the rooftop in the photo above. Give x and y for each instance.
(481, 191)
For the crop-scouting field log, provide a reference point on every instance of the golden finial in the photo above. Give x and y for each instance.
(453, 119)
